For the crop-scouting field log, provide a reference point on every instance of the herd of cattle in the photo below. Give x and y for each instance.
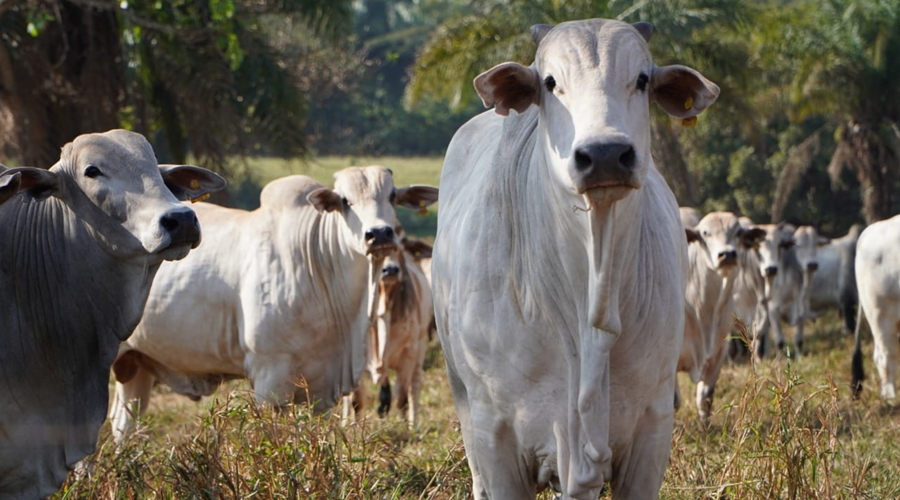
(562, 273)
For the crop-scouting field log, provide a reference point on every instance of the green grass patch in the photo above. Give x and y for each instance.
(780, 428)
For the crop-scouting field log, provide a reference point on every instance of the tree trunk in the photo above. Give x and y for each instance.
(64, 82)
(876, 167)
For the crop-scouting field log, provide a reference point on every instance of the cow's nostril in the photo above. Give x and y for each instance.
(627, 159)
(369, 235)
(727, 255)
(169, 223)
(771, 271)
(812, 266)
(582, 160)
(389, 232)
(390, 270)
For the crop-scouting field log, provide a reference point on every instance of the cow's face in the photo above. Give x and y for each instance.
(721, 235)
(130, 204)
(593, 81)
(778, 239)
(366, 198)
(807, 243)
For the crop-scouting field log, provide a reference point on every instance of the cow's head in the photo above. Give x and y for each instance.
(112, 182)
(778, 239)
(366, 198)
(393, 270)
(807, 241)
(721, 234)
(593, 81)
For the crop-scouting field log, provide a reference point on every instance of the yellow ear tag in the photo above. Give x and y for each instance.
(424, 211)
(195, 184)
(689, 103)
(422, 203)
(200, 198)
(689, 122)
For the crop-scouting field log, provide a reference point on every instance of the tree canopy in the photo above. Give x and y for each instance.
(193, 75)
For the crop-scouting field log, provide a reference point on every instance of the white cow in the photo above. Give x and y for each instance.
(399, 339)
(834, 283)
(282, 295)
(786, 285)
(80, 244)
(878, 281)
(751, 305)
(559, 267)
(713, 257)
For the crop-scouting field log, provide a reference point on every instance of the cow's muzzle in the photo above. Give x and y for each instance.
(182, 227)
(390, 274)
(605, 165)
(812, 267)
(380, 241)
(727, 258)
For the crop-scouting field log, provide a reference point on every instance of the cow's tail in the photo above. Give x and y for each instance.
(856, 369)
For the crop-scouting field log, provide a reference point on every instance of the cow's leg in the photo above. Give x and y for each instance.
(274, 381)
(761, 329)
(464, 414)
(887, 349)
(409, 385)
(130, 402)
(494, 451)
(706, 388)
(638, 473)
(384, 398)
(775, 324)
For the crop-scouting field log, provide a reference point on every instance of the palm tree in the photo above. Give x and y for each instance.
(193, 75)
(847, 59)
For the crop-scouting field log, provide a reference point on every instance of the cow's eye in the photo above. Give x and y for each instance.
(92, 171)
(346, 202)
(642, 82)
(393, 196)
(550, 83)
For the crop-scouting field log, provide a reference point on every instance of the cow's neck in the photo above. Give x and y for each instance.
(68, 305)
(347, 279)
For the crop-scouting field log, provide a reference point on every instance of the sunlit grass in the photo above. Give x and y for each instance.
(781, 429)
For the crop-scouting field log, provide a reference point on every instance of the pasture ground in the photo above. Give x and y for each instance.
(780, 429)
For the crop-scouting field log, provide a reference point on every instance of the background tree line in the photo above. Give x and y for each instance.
(806, 128)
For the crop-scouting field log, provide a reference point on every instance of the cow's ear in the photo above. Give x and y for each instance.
(822, 241)
(126, 367)
(681, 91)
(9, 186)
(751, 237)
(36, 183)
(508, 86)
(645, 29)
(325, 200)
(539, 31)
(419, 249)
(188, 182)
(416, 197)
(692, 235)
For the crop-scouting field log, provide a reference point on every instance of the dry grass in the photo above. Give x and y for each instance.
(782, 429)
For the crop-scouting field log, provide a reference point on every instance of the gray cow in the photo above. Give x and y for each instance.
(81, 243)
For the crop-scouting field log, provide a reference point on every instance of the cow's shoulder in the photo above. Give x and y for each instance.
(288, 192)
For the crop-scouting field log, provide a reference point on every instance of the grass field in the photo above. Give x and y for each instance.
(249, 178)
(780, 429)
